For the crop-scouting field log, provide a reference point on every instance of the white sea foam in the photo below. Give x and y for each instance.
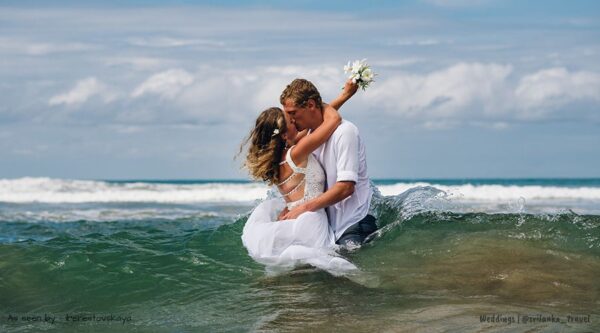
(69, 214)
(51, 190)
(469, 192)
(501, 198)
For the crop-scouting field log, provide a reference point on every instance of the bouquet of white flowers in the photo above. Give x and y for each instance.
(360, 73)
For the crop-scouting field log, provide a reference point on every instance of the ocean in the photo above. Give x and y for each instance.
(455, 255)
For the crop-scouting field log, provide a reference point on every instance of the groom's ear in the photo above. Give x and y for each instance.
(311, 103)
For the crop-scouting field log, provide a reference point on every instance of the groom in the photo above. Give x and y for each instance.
(348, 195)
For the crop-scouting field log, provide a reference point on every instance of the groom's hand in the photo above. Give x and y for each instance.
(282, 214)
(294, 213)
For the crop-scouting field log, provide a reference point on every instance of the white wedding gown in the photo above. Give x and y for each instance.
(308, 239)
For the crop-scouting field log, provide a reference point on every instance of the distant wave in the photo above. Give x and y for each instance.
(502, 192)
(52, 190)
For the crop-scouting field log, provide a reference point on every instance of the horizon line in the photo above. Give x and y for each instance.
(218, 179)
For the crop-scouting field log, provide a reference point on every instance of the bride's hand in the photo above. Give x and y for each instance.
(348, 91)
(350, 88)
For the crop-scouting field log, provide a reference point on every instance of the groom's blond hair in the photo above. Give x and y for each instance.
(299, 92)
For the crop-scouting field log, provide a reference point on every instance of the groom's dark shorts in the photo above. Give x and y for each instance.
(359, 231)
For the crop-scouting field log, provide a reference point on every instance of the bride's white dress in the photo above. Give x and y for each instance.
(308, 239)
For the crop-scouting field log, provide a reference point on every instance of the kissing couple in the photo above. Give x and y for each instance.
(317, 162)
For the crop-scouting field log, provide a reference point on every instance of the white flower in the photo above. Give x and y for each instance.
(275, 132)
(367, 74)
(356, 66)
(348, 67)
(360, 73)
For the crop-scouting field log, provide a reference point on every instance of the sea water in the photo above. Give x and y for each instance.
(488, 255)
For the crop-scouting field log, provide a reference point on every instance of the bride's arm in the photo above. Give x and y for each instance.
(350, 89)
(331, 120)
(300, 135)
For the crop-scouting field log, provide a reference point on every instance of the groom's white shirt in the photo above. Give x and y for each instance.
(344, 158)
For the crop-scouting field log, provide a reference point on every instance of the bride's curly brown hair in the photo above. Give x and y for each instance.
(265, 146)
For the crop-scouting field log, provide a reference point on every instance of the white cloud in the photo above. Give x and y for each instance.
(164, 42)
(46, 48)
(137, 63)
(554, 87)
(327, 78)
(475, 92)
(486, 95)
(440, 124)
(83, 90)
(404, 62)
(126, 129)
(458, 3)
(42, 48)
(445, 93)
(239, 94)
(481, 94)
(213, 99)
(419, 42)
(166, 84)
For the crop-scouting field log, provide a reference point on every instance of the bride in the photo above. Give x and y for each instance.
(281, 156)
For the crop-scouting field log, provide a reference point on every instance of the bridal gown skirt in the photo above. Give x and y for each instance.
(285, 245)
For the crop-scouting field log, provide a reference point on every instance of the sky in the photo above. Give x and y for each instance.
(169, 89)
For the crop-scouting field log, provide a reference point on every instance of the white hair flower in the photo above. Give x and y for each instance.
(275, 132)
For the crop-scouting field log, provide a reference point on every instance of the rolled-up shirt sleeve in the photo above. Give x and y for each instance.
(347, 156)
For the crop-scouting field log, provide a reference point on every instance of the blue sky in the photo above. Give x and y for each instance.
(168, 89)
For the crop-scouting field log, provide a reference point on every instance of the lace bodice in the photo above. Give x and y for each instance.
(314, 179)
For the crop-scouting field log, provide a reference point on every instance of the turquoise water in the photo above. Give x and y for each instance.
(180, 267)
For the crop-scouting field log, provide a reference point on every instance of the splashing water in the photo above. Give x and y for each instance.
(438, 263)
